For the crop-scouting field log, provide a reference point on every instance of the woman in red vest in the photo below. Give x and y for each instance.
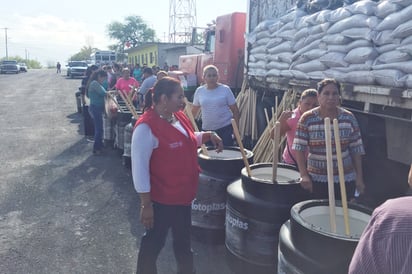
(165, 174)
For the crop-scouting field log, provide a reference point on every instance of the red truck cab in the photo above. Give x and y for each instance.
(224, 48)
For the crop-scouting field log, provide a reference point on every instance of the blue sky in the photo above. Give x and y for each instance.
(51, 31)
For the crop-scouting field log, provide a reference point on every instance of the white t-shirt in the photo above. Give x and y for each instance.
(215, 106)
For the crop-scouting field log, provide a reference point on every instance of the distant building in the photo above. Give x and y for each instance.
(156, 54)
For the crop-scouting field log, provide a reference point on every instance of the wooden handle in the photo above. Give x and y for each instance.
(192, 120)
(242, 150)
(276, 140)
(329, 162)
(341, 176)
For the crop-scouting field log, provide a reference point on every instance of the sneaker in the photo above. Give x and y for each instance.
(90, 138)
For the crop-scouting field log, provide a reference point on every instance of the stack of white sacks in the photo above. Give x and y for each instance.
(366, 43)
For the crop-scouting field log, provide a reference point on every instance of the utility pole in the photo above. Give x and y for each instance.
(7, 54)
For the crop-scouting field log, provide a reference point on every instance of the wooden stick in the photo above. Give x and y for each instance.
(192, 120)
(329, 162)
(341, 175)
(275, 151)
(129, 105)
(267, 117)
(242, 150)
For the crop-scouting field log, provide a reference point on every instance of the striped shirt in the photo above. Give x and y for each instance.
(386, 243)
(310, 135)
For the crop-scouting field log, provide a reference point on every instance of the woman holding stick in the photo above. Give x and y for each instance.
(310, 137)
(289, 121)
(165, 174)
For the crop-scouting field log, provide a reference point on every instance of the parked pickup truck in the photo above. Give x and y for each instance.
(76, 69)
(9, 66)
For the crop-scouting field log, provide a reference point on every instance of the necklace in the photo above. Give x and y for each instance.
(170, 119)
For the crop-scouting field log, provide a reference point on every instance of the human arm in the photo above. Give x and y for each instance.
(410, 177)
(206, 136)
(305, 180)
(143, 143)
(235, 113)
(357, 164)
(284, 127)
(195, 110)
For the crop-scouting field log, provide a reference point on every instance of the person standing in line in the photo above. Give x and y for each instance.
(310, 137)
(125, 84)
(289, 122)
(96, 93)
(165, 174)
(148, 82)
(385, 244)
(218, 105)
(58, 66)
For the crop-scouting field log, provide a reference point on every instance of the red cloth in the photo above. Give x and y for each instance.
(174, 171)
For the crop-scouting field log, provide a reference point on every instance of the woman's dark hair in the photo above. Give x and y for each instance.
(326, 82)
(165, 86)
(93, 77)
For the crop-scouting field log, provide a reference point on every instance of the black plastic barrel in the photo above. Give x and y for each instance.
(307, 245)
(256, 209)
(209, 206)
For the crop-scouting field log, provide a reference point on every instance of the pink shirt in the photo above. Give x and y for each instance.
(124, 85)
(290, 135)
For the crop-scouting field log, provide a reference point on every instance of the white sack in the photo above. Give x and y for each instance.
(395, 19)
(283, 47)
(403, 30)
(405, 67)
(258, 49)
(361, 55)
(313, 65)
(392, 56)
(408, 81)
(336, 39)
(384, 8)
(366, 7)
(339, 14)
(383, 37)
(277, 65)
(357, 33)
(334, 59)
(359, 77)
(354, 21)
(389, 77)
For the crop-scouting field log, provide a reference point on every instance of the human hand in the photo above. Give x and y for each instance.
(360, 186)
(217, 141)
(285, 115)
(146, 216)
(306, 183)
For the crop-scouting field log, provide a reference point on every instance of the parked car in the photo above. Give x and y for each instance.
(76, 68)
(23, 67)
(9, 66)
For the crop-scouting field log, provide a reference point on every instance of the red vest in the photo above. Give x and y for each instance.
(174, 171)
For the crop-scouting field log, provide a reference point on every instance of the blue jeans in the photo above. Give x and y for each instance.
(178, 218)
(97, 114)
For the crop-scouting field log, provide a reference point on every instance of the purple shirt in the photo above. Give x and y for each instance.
(386, 243)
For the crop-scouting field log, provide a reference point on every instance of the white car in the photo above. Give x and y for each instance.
(23, 67)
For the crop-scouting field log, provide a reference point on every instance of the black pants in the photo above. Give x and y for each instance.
(178, 218)
(320, 190)
(226, 133)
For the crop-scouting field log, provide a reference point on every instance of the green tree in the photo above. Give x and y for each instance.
(134, 31)
(83, 54)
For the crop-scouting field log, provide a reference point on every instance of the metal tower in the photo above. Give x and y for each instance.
(182, 19)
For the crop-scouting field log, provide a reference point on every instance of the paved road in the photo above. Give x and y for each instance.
(63, 210)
